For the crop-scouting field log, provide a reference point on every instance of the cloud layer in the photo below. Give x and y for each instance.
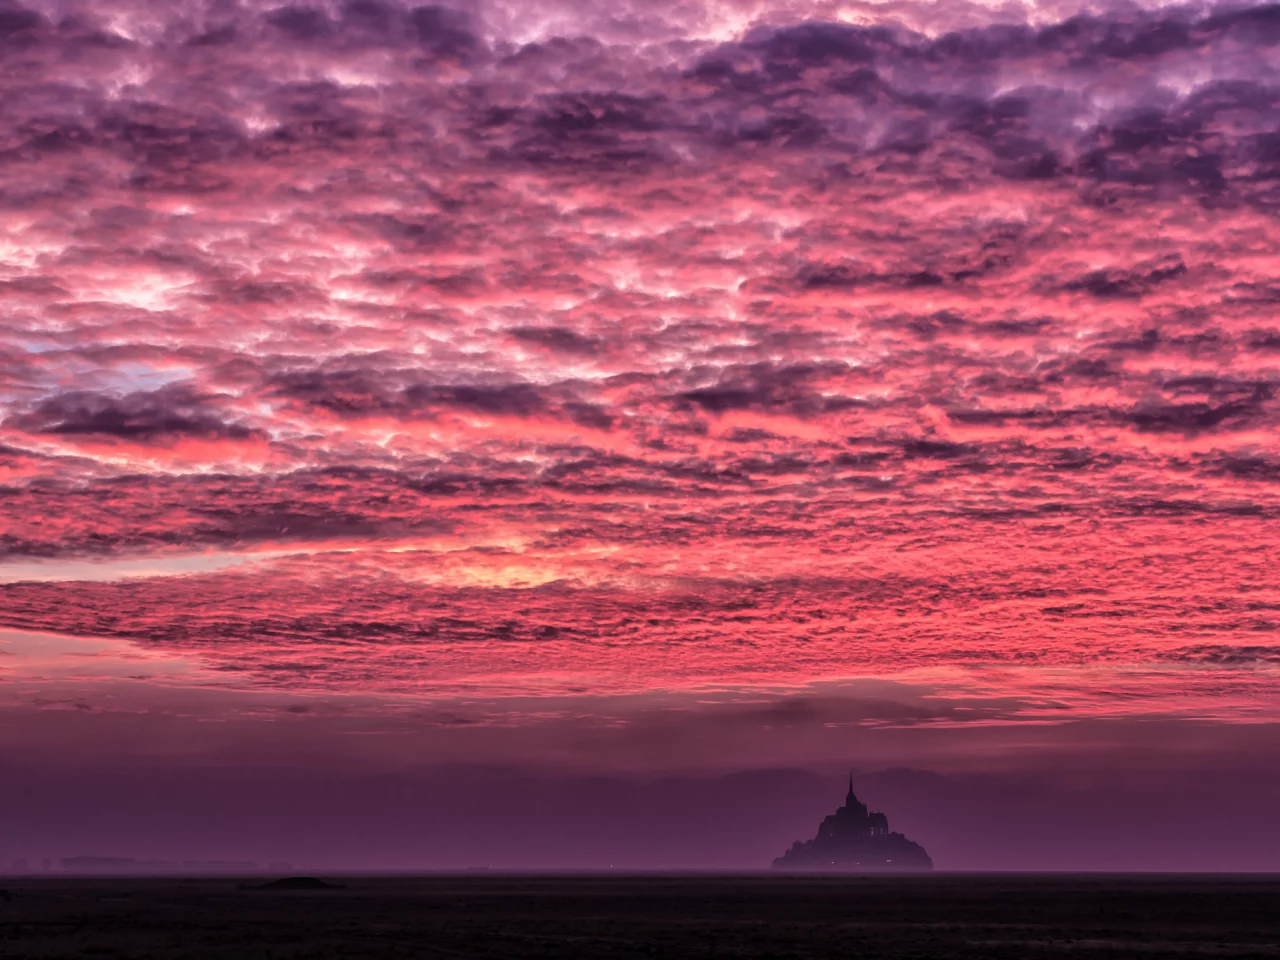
(514, 350)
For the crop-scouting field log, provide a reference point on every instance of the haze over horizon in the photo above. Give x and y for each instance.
(561, 434)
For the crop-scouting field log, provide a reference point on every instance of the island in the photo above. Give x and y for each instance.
(855, 840)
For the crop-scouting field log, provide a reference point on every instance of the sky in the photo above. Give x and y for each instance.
(551, 434)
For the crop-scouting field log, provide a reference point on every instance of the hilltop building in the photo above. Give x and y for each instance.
(855, 840)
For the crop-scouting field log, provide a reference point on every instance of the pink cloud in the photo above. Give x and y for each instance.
(736, 346)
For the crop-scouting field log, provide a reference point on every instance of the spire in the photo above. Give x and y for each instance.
(850, 783)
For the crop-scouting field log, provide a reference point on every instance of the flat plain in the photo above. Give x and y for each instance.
(685, 916)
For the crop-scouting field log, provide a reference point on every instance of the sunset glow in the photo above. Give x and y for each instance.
(536, 364)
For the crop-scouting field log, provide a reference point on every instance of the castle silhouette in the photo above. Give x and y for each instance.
(855, 840)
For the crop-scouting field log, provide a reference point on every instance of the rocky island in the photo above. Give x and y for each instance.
(855, 840)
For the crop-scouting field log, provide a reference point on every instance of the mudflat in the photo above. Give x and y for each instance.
(686, 916)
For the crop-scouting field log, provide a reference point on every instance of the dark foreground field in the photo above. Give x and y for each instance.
(593, 917)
